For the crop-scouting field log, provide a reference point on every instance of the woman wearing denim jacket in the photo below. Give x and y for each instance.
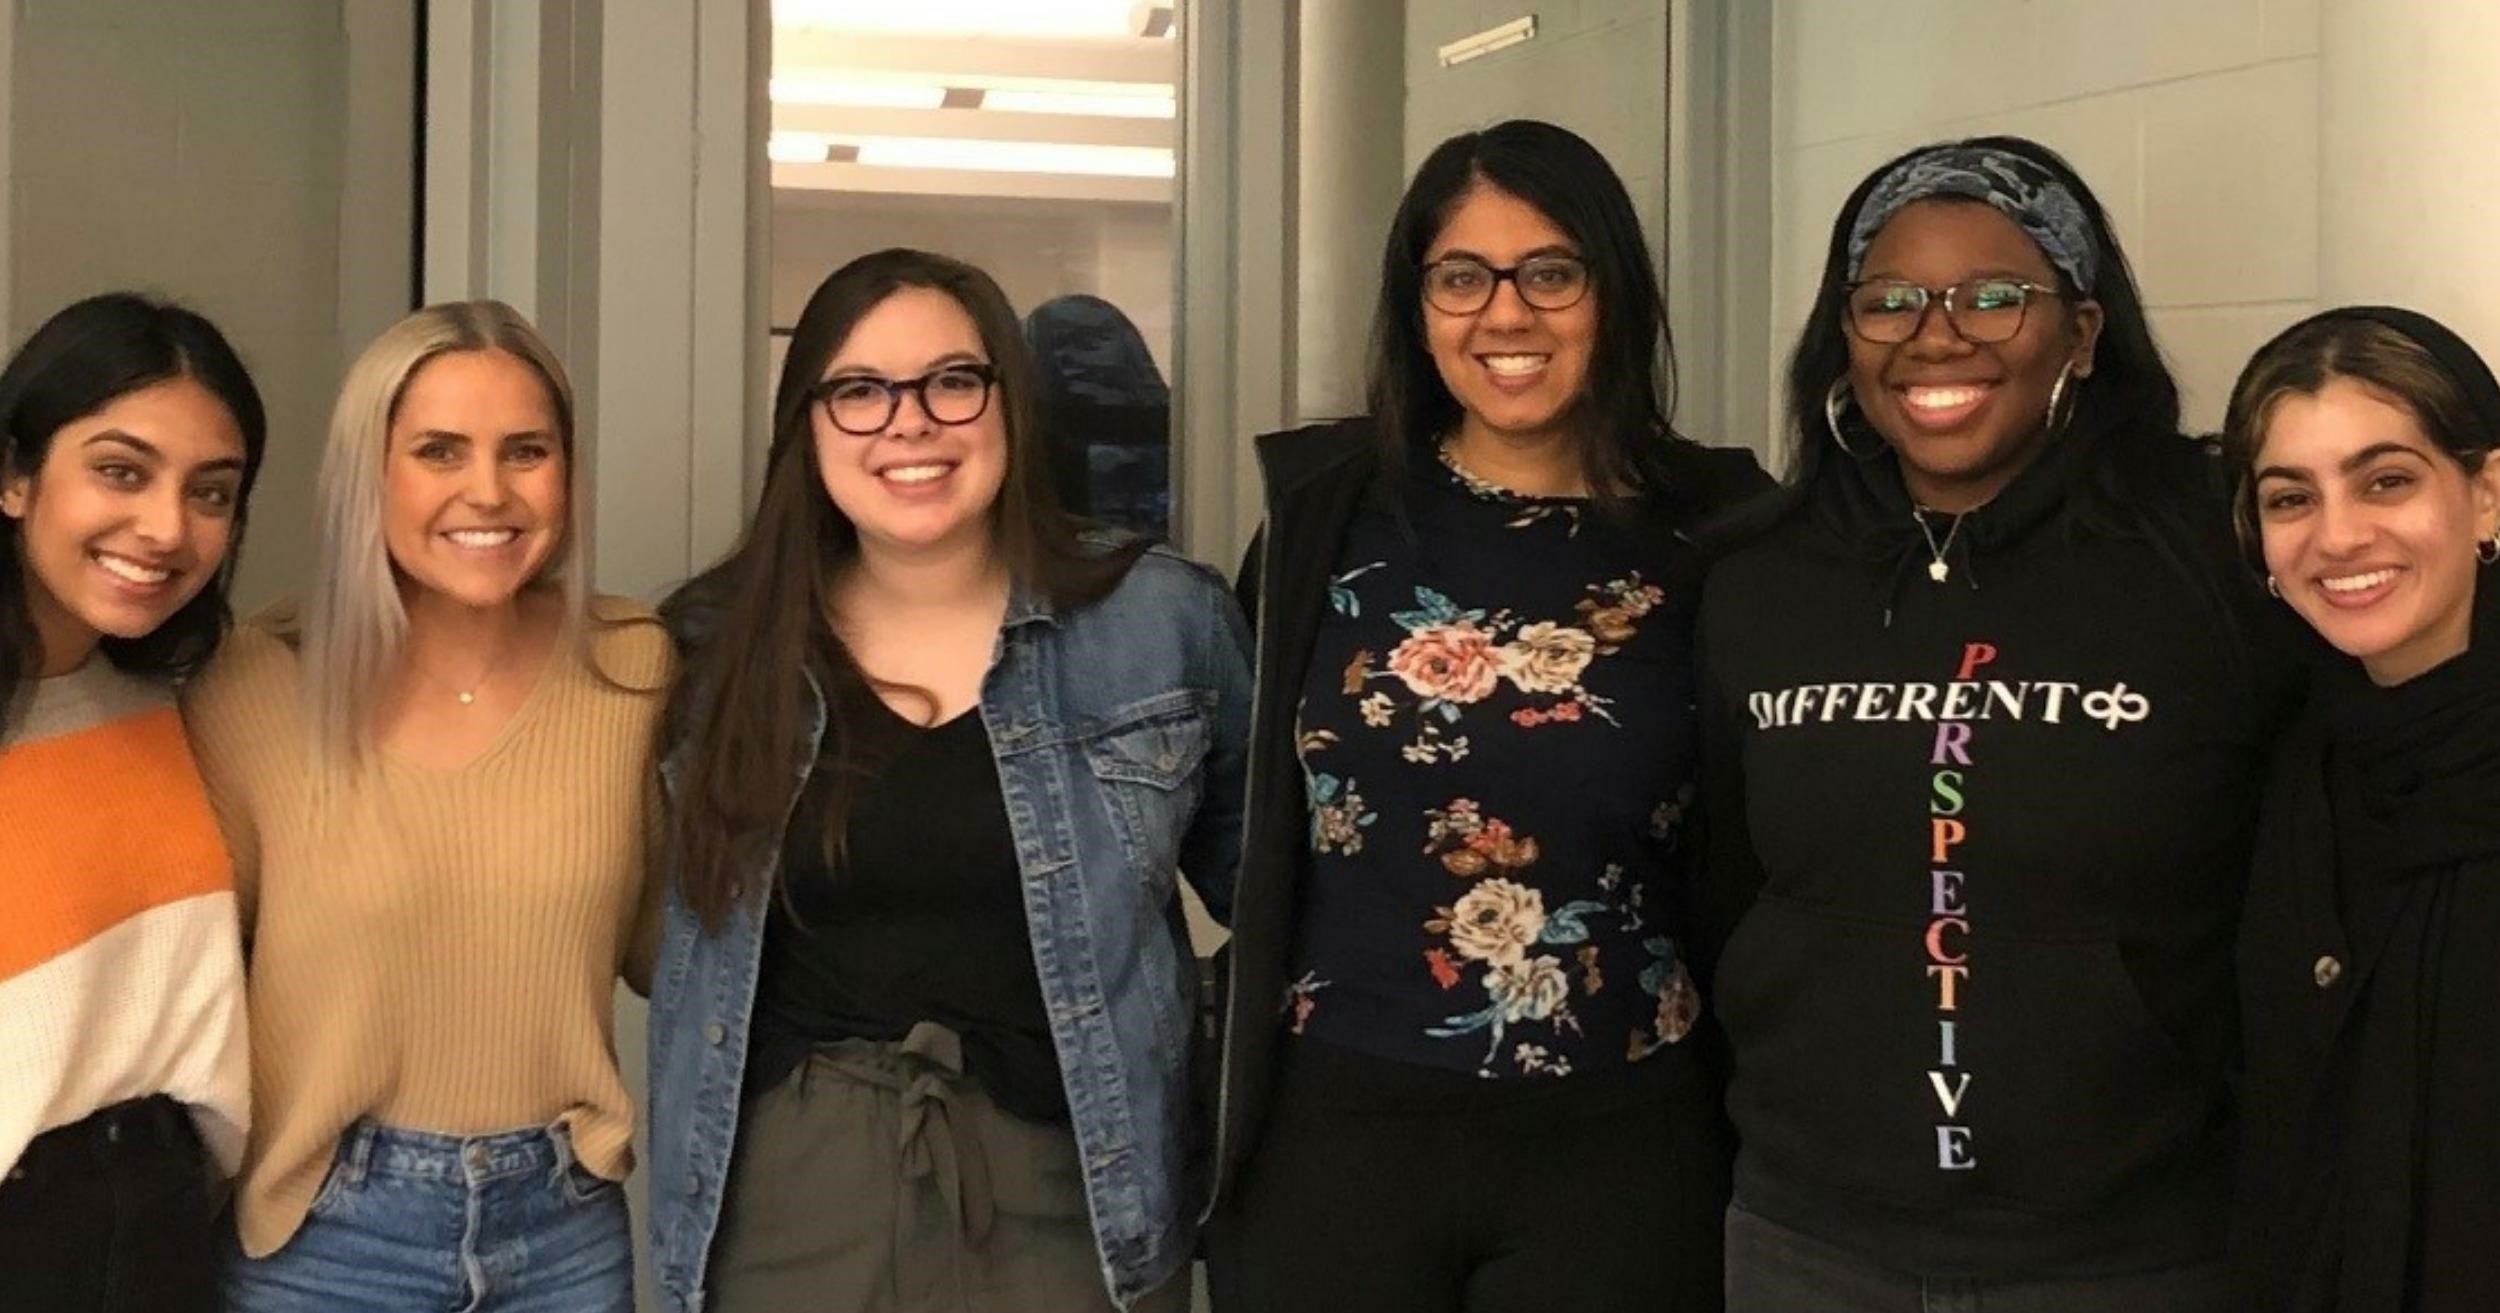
(923, 997)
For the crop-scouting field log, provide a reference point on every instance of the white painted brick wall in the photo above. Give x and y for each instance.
(2196, 121)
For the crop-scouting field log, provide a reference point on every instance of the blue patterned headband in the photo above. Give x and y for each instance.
(2017, 188)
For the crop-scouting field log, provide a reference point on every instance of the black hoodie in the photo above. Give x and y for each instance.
(1976, 848)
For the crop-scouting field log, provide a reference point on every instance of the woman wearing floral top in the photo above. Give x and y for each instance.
(1454, 1073)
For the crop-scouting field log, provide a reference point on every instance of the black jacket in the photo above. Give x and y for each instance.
(2370, 985)
(1977, 852)
(1315, 479)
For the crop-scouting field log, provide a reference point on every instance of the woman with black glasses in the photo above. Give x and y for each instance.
(921, 1020)
(1982, 723)
(1459, 1070)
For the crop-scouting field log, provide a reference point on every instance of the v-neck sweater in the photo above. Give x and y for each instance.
(435, 949)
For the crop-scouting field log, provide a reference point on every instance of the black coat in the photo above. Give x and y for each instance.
(2370, 994)
(1316, 478)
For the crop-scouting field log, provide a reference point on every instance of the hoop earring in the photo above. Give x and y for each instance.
(2273, 589)
(1831, 417)
(2487, 550)
(2057, 392)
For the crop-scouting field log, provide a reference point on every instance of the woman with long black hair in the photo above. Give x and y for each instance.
(1457, 1072)
(1982, 720)
(129, 437)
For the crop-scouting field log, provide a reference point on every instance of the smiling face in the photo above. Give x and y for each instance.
(915, 485)
(1966, 417)
(129, 518)
(474, 478)
(1516, 371)
(2370, 527)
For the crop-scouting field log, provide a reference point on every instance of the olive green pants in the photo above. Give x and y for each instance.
(876, 1178)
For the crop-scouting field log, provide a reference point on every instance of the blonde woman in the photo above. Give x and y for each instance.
(432, 778)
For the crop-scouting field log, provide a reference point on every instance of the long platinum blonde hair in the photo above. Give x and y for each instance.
(353, 625)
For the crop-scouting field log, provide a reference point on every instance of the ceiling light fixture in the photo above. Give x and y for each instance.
(797, 148)
(856, 93)
(1015, 157)
(1158, 104)
(994, 18)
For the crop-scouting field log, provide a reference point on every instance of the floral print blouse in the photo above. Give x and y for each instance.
(1495, 735)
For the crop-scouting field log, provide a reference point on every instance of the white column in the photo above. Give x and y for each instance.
(681, 318)
(2407, 164)
(600, 167)
(1718, 237)
(1349, 173)
(377, 202)
(1235, 336)
(459, 50)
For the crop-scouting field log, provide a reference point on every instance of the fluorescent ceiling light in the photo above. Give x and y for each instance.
(1158, 104)
(797, 147)
(1013, 156)
(1137, 100)
(858, 93)
(998, 18)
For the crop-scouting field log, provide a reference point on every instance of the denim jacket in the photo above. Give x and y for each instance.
(1119, 730)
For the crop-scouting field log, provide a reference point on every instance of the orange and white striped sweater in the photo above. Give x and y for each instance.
(121, 968)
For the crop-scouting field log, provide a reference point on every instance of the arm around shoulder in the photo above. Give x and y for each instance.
(245, 729)
(1211, 853)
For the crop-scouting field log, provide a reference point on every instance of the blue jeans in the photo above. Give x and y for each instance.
(408, 1220)
(1773, 1269)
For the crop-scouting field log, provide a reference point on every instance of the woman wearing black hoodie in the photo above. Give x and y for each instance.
(1982, 730)
(2371, 1170)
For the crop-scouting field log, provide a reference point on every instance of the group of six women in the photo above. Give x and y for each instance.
(1953, 879)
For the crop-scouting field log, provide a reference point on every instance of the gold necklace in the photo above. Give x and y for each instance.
(467, 696)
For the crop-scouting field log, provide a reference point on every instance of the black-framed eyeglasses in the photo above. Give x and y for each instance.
(863, 404)
(1463, 285)
(1887, 311)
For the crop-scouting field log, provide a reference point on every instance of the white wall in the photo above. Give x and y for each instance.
(2410, 105)
(197, 151)
(1597, 67)
(2197, 124)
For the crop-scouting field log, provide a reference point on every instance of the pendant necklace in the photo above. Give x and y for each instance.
(1937, 569)
(468, 695)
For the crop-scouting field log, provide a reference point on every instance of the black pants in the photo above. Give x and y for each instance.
(1383, 1188)
(1774, 1269)
(110, 1214)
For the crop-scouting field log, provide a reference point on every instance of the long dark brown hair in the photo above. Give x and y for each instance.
(754, 627)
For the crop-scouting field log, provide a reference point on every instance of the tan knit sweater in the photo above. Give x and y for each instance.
(437, 950)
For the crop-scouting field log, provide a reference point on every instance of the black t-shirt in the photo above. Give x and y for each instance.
(1496, 740)
(922, 921)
